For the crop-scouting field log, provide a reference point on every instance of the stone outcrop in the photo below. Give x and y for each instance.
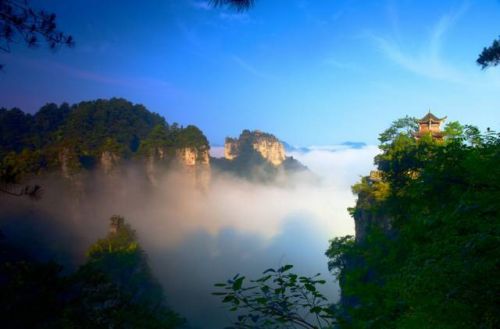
(190, 156)
(231, 149)
(70, 169)
(192, 161)
(68, 161)
(367, 215)
(196, 163)
(109, 161)
(156, 159)
(267, 145)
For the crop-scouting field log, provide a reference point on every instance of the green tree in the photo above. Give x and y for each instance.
(428, 249)
(19, 22)
(278, 299)
(453, 130)
(490, 56)
(117, 286)
(402, 127)
(113, 289)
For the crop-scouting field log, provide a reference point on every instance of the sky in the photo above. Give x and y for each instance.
(310, 72)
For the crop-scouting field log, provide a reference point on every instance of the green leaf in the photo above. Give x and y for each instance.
(264, 278)
(285, 268)
(238, 283)
(228, 299)
(315, 310)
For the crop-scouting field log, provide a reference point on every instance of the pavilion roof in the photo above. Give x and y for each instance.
(431, 117)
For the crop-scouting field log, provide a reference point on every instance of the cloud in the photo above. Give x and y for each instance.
(234, 17)
(142, 83)
(342, 65)
(217, 151)
(339, 165)
(251, 69)
(197, 237)
(428, 61)
(202, 5)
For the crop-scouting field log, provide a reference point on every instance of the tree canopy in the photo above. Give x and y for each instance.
(32, 144)
(490, 56)
(19, 22)
(427, 235)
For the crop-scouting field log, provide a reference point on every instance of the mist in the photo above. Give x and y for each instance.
(195, 237)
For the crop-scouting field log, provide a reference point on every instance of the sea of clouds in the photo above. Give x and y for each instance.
(196, 237)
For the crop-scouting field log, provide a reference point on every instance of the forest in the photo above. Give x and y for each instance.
(113, 217)
(32, 144)
(426, 250)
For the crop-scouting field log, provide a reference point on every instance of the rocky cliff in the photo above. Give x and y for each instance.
(257, 156)
(190, 156)
(267, 145)
(368, 214)
(195, 162)
(109, 162)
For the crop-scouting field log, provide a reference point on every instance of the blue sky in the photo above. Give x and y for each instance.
(311, 72)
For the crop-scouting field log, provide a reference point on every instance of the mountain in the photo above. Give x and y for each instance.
(104, 135)
(256, 155)
(98, 134)
(345, 145)
(425, 253)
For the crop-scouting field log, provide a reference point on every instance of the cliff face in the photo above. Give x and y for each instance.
(231, 149)
(368, 213)
(68, 161)
(267, 145)
(190, 156)
(192, 161)
(196, 164)
(109, 162)
(271, 149)
(156, 159)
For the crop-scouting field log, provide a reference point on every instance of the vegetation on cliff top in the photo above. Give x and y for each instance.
(429, 252)
(30, 144)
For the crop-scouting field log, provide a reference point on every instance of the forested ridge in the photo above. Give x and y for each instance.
(427, 250)
(30, 144)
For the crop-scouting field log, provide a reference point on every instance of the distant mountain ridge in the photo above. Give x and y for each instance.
(105, 134)
(256, 155)
(335, 147)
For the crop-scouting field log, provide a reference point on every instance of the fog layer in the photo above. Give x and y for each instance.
(195, 237)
